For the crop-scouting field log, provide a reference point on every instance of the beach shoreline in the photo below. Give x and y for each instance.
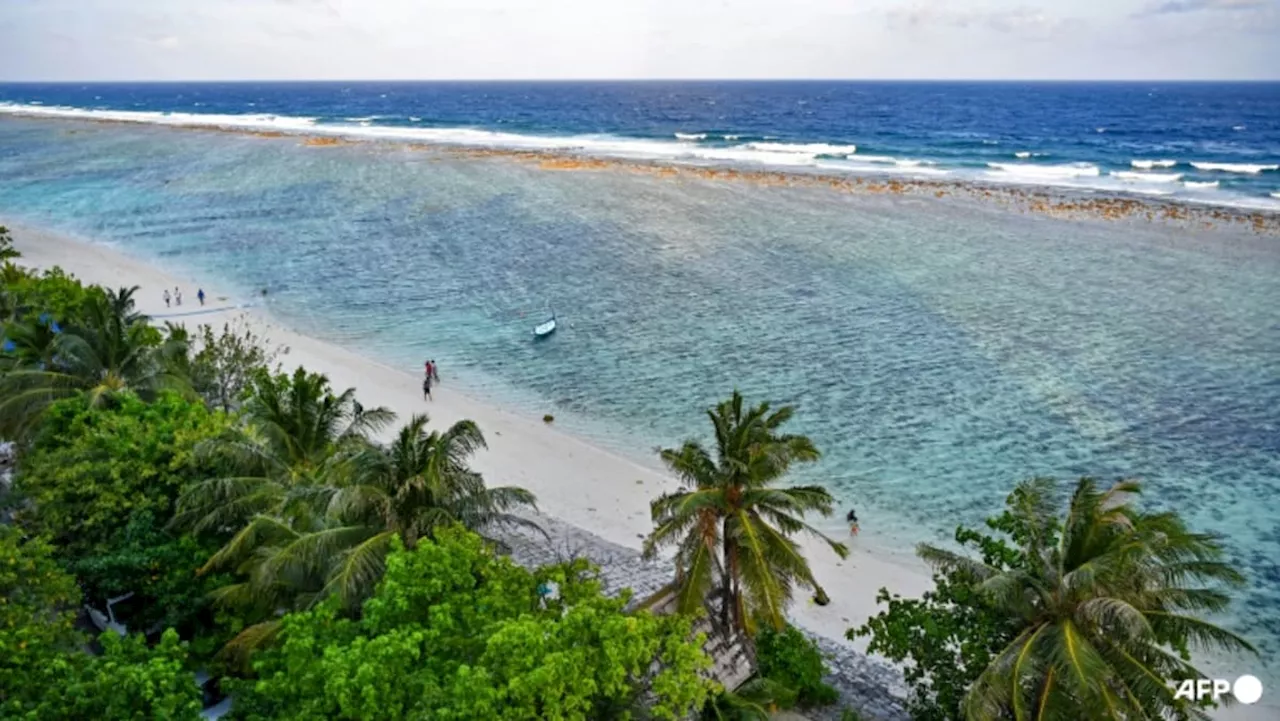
(585, 486)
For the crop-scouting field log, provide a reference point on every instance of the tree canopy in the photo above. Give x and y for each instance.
(455, 631)
(91, 468)
(45, 675)
(1085, 613)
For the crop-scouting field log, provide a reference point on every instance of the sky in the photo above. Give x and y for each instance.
(87, 40)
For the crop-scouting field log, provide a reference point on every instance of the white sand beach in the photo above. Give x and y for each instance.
(578, 483)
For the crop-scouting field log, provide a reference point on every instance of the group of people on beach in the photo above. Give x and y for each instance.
(432, 374)
(176, 298)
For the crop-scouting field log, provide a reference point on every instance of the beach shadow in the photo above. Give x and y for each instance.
(202, 311)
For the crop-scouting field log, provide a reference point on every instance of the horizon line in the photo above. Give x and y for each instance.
(157, 81)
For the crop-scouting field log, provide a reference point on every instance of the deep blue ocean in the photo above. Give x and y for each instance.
(939, 349)
(1203, 142)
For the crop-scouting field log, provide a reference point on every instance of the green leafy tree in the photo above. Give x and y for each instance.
(45, 674)
(91, 468)
(59, 294)
(11, 279)
(109, 349)
(1103, 604)
(794, 662)
(53, 292)
(458, 632)
(101, 482)
(732, 529)
(7, 251)
(36, 301)
(947, 637)
(37, 619)
(128, 681)
(225, 363)
(161, 570)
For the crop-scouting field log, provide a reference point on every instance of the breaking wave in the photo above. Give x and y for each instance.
(807, 148)
(1149, 164)
(1246, 168)
(1045, 172)
(1150, 177)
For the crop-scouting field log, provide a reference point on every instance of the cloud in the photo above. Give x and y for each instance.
(1177, 7)
(1019, 20)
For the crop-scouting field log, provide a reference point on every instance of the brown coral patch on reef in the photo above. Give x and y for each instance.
(324, 142)
(572, 163)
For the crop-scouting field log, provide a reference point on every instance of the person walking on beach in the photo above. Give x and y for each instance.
(852, 518)
(200, 295)
(177, 295)
(434, 370)
(166, 297)
(426, 389)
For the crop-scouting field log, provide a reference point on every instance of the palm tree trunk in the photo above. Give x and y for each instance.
(731, 613)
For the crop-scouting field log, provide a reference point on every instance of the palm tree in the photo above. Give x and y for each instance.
(11, 300)
(297, 440)
(324, 526)
(111, 348)
(1105, 604)
(30, 343)
(733, 529)
(417, 484)
(297, 436)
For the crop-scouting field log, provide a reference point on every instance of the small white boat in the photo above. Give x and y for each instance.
(546, 328)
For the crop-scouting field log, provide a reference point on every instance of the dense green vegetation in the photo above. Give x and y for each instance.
(256, 524)
(44, 674)
(1087, 614)
(457, 632)
(793, 662)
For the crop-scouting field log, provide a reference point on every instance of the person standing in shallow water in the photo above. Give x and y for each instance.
(166, 297)
(852, 518)
(200, 295)
(434, 369)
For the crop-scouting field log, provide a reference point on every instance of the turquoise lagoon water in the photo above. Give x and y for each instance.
(939, 350)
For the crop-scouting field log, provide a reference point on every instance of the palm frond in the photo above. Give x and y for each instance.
(359, 570)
